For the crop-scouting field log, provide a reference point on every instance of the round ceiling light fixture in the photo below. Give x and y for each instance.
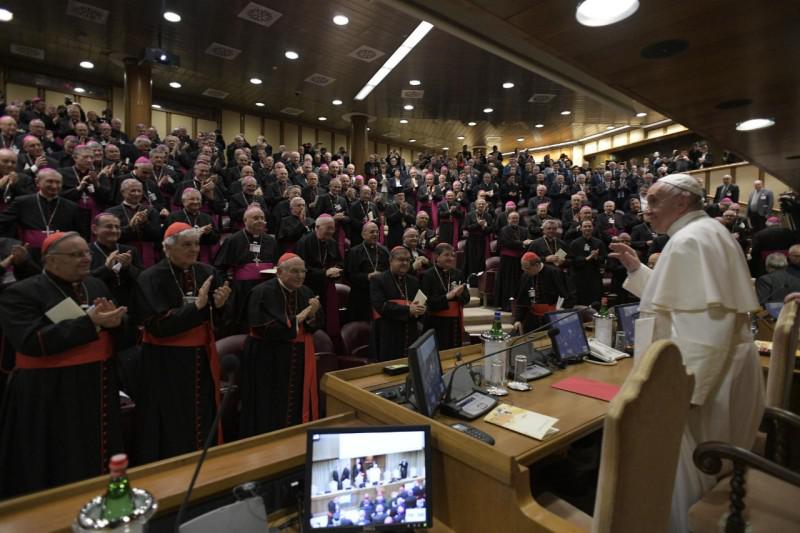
(341, 20)
(256, 81)
(408, 107)
(487, 109)
(86, 64)
(470, 124)
(538, 125)
(414, 82)
(566, 112)
(79, 90)
(337, 102)
(520, 139)
(175, 85)
(604, 12)
(322, 119)
(260, 104)
(155, 106)
(755, 124)
(291, 54)
(6, 15)
(171, 16)
(460, 137)
(403, 121)
(508, 85)
(412, 140)
(641, 114)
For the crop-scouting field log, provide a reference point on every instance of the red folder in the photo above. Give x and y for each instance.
(588, 387)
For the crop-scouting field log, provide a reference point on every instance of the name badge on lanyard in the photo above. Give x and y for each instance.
(189, 299)
(255, 248)
(152, 196)
(587, 248)
(532, 293)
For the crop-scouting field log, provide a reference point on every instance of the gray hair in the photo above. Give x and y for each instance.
(126, 184)
(776, 261)
(192, 233)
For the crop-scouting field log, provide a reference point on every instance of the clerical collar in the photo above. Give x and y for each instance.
(685, 220)
(126, 204)
(284, 287)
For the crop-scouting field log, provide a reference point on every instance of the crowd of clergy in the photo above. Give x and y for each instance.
(124, 258)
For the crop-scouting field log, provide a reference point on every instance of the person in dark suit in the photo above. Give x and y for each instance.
(772, 238)
(726, 190)
(759, 205)
(782, 277)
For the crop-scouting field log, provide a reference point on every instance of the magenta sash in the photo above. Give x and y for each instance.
(249, 271)
(34, 237)
(510, 252)
(146, 252)
(430, 208)
(381, 236)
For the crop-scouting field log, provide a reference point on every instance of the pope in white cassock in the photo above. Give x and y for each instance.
(698, 296)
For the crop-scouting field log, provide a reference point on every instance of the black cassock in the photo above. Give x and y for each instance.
(445, 316)
(395, 330)
(538, 295)
(292, 230)
(273, 366)
(451, 222)
(510, 243)
(179, 392)
(478, 241)
(29, 217)
(57, 424)
(360, 262)
(398, 220)
(586, 275)
(241, 258)
(320, 256)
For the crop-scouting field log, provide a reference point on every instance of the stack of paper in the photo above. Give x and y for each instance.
(522, 421)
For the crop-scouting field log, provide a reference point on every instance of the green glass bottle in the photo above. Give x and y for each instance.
(497, 327)
(603, 307)
(118, 501)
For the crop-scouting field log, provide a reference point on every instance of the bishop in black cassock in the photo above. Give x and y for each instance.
(540, 288)
(447, 294)
(364, 262)
(587, 256)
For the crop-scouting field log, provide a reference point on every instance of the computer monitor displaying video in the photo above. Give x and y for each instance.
(626, 316)
(569, 342)
(368, 478)
(426, 373)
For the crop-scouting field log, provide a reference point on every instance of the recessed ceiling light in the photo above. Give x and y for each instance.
(641, 114)
(86, 64)
(755, 124)
(408, 107)
(566, 112)
(340, 20)
(487, 109)
(538, 126)
(171, 16)
(175, 85)
(290, 54)
(508, 85)
(520, 139)
(155, 106)
(412, 140)
(460, 137)
(470, 124)
(260, 104)
(337, 102)
(604, 12)
(445, 148)
(322, 119)
(256, 81)
(609, 127)
(6, 15)
(79, 90)
(403, 121)
(415, 82)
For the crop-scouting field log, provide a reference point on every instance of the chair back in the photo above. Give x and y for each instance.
(343, 293)
(781, 361)
(354, 336)
(641, 443)
(322, 342)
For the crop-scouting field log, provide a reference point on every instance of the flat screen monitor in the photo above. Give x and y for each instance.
(368, 478)
(774, 309)
(569, 342)
(426, 373)
(626, 317)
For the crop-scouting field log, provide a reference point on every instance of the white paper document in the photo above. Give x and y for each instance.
(67, 309)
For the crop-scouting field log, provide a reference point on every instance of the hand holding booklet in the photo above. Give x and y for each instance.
(522, 421)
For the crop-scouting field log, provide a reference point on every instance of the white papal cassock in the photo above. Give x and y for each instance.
(698, 296)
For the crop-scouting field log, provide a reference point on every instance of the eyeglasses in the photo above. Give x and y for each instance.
(75, 255)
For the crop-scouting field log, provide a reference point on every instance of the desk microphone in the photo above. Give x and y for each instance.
(231, 364)
(548, 326)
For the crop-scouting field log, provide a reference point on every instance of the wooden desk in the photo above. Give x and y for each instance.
(478, 487)
(256, 458)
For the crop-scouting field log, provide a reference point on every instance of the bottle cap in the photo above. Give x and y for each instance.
(118, 463)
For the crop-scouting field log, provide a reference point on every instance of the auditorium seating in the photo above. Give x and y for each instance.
(486, 281)
(355, 340)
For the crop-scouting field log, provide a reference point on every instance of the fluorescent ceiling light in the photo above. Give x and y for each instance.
(259, 104)
(641, 114)
(408, 107)
(86, 64)
(175, 85)
(470, 124)
(322, 119)
(604, 12)
(655, 124)
(755, 124)
(6, 15)
(412, 140)
(403, 121)
(460, 137)
(79, 90)
(155, 106)
(508, 85)
(256, 81)
(520, 139)
(487, 109)
(171, 16)
(609, 127)
(340, 20)
(566, 112)
(538, 126)
(445, 148)
(290, 54)
(337, 102)
(402, 51)
(414, 82)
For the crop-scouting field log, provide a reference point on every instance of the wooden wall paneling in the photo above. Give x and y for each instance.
(590, 148)
(308, 135)
(206, 125)
(655, 132)
(19, 93)
(577, 154)
(93, 104)
(603, 144)
(636, 135)
(252, 128)
(180, 121)
(676, 128)
(159, 122)
(231, 126)
(272, 131)
(715, 179)
(291, 136)
(118, 103)
(772, 183)
(620, 139)
(56, 98)
(325, 138)
(339, 139)
(745, 176)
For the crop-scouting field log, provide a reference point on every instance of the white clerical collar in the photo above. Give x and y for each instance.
(689, 217)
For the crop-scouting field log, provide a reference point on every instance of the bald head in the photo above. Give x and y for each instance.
(370, 233)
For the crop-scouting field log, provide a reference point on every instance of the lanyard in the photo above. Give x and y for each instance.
(85, 291)
(180, 287)
(46, 221)
(441, 280)
(373, 264)
(404, 291)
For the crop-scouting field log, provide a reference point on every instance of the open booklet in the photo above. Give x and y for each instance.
(522, 421)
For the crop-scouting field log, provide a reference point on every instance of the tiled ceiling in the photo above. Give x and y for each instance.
(458, 79)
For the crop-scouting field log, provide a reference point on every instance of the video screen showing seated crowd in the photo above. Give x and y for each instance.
(168, 243)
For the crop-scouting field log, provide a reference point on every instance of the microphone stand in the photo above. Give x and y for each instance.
(533, 338)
